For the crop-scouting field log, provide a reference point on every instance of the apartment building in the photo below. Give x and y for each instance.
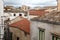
(19, 29)
(12, 12)
(46, 27)
(1, 20)
(18, 22)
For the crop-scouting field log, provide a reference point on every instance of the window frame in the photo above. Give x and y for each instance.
(55, 37)
(41, 31)
(20, 14)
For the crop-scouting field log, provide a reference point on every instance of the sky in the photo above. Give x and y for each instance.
(32, 3)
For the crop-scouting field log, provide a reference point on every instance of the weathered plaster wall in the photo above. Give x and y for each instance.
(19, 33)
(35, 31)
(57, 28)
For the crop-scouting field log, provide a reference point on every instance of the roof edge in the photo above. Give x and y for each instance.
(46, 21)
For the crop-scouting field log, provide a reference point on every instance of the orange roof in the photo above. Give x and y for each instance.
(23, 24)
(37, 12)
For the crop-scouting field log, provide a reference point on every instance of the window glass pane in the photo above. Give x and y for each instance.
(54, 38)
(58, 39)
(41, 35)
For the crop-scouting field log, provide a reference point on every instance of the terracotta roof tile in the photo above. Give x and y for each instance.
(22, 24)
(37, 12)
(52, 18)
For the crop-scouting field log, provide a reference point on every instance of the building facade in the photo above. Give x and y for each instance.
(18, 29)
(46, 27)
(12, 12)
(1, 20)
(18, 34)
(44, 31)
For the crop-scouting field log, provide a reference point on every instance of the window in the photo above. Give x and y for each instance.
(25, 33)
(41, 34)
(14, 14)
(25, 15)
(54, 37)
(20, 14)
(17, 38)
(1, 36)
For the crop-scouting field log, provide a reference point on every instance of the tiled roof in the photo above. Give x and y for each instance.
(23, 25)
(47, 7)
(52, 17)
(37, 12)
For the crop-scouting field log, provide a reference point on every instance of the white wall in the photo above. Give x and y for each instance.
(11, 15)
(1, 8)
(32, 16)
(1, 21)
(35, 31)
(57, 29)
(17, 14)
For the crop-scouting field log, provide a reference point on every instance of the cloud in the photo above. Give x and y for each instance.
(31, 2)
(13, 2)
